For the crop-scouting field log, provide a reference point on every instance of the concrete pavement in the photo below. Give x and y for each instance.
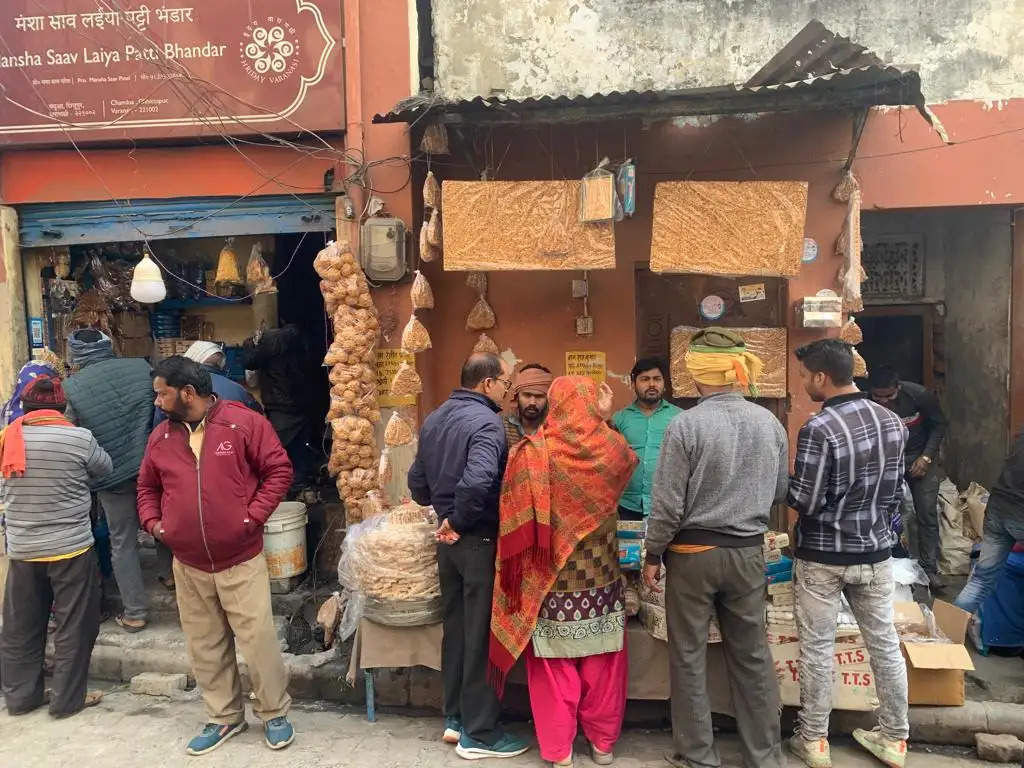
(144, 731)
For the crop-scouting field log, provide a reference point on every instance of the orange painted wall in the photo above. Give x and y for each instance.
(45, 176)
(903, 163)
(535, 311)
(378, 77)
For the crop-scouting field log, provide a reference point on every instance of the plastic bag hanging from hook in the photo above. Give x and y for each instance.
(598, 200)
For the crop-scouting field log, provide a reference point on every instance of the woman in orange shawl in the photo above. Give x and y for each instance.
(558, 594)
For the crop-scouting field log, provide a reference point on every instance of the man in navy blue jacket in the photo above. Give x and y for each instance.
(458, 469)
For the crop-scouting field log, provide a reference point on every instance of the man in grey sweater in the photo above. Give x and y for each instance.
(47, 467)
(723, 464)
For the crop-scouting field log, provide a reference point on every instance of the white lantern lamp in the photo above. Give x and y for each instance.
(147, 283)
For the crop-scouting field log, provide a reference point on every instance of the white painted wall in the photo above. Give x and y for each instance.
(964, 49)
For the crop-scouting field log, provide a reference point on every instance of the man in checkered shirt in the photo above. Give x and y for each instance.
(846, 486)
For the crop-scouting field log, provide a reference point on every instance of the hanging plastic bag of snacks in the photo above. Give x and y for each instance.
(427, 252)
(406, 382)
(257, 273)
(384, 470)
(851, 332)
(486, 344)
(398, 431)
(432, 191)
(478, 282)
(434, 229)
(421, 293)
(481, 317)
(415, 337)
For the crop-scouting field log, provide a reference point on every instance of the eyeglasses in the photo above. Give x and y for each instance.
(506, 383)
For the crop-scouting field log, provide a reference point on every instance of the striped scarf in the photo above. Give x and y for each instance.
(560, 485)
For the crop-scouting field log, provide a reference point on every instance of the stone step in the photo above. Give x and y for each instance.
(119, 656)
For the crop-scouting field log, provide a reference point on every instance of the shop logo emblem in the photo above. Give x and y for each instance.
(269, 50)
(225, 449)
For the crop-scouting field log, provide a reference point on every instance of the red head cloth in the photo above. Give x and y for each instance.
(532, 380)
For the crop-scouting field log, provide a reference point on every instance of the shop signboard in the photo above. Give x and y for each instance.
(591, 364)
(388, 362)
(108, 70)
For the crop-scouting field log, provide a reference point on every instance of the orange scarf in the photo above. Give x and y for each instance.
(12, 441)
(561, 483)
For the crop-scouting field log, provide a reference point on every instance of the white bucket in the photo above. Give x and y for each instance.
(284, 540)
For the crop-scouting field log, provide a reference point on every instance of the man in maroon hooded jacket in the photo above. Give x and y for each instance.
(212, 475)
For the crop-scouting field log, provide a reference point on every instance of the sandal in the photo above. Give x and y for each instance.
(92, 698)
(167, 582)
(124, 624)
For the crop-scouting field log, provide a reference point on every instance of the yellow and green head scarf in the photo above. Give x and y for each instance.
(718, 357)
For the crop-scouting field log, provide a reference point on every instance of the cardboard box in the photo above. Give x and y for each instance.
(781, 588)
(935, 671)
(772, 556)
(853, 686)
(908, 616)
(132, 347)
(776, 540)
(132, 324)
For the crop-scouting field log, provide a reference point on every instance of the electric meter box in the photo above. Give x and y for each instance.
(382, 249)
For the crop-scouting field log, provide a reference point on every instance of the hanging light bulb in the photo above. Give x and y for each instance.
(147, 283)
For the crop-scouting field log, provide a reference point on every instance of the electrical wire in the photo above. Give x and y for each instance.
(360, 176)
(231, 299)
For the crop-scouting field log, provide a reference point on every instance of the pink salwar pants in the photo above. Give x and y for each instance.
(590, 691)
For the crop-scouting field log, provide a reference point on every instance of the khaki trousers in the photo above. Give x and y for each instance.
(219, 611)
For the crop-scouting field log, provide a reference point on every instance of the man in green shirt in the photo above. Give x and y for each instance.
(643, 424)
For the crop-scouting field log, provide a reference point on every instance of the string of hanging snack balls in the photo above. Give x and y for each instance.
(352, 358)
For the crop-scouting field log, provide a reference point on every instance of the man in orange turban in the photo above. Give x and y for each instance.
(529, 402)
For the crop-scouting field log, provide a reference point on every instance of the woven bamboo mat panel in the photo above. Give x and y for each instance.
(504, 225)
(729, 227)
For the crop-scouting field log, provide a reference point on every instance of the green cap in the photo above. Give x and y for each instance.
(719, 338)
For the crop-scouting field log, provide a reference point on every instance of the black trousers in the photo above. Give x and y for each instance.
(925, 491)
(73, 588)
(466, 569)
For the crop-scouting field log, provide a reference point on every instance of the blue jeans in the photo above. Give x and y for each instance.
(1001, 532)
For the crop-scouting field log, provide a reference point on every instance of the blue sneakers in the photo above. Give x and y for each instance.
(278, 733)
(213, 735)
(452, 730)
(507, 746)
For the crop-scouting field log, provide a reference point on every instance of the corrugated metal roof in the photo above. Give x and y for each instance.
(817, 69)
(814, 51)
